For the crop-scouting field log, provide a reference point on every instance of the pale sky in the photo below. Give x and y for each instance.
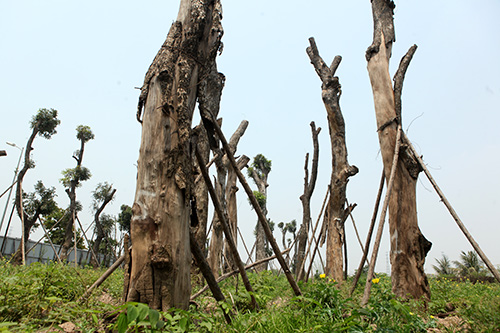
(85, 58)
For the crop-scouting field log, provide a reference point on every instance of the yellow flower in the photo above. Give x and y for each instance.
(322, 276)
(432, 317)
(411, 313)
(375, 281)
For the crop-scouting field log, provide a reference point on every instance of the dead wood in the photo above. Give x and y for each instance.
(369, 235)
(261, 216)
(229, 274)
(336, 212)
(408, 245)
(305, 198)
(378, 238)
(225, 227)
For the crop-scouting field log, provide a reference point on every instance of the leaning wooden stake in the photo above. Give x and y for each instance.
(205, 269)
(376, 245)
(256, 207)
(370, 233)
(319, 236)
(229, 274)
(225, 225)
(103, 278)
(445, 201)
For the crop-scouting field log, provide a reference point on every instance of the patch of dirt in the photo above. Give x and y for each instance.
(68, 327)
(108, 299)
(450, 324)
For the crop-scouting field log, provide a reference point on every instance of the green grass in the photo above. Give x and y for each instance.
(38, 298)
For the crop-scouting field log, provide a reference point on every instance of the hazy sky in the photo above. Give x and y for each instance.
(84, 59)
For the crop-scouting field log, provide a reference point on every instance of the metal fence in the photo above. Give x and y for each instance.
(44, 253)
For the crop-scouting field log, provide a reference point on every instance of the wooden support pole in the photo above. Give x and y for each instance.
(319, 236)
(369, 236)
(103, 278)
(459, 222)
(256, 207)
(229, 274)
(205, 269)
(376, 245)
(225, 226)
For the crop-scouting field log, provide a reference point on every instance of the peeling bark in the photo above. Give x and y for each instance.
(161, 255)
(336, 211)
(408, 246)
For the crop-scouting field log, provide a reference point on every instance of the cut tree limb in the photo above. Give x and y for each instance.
(336, 212)
(260, 215)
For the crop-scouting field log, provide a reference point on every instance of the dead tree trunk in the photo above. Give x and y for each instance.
(305, 198)
(231, 189)
(161, 256)
(217, 240)
(336, 213)
(408, 246)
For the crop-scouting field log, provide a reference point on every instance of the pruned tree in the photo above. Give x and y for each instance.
(36, 204)
(336, 211)
(305, 198)
(223, 168)
(232, 206)
(43, 124)
(181, 74)
(259, 172)
(409, 247)
(71, 180)
(102, 195)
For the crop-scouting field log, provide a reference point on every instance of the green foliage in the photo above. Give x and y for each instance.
(41, 202)
(139, 317)
(44, 295)
(84, 133)
(75, 175)
(56, 230)
(470, 264)
(124, 218)
(45, 122)
(261, 199)
(443, 266)
(38, 297)
(262, 167)
(102, 193)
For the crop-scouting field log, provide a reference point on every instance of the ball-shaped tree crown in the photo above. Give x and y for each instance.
(45, 121)
(84, 133)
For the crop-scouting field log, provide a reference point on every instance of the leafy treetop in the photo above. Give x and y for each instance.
(102, 193)
(84, 133)
(45, 122)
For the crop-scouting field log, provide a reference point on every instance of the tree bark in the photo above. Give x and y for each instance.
(408, 246)
(217, 240)
(161, 256)
(336, 213)
(260, 237)
(231, 189)
(100, 232)
(305, 198)
(232, 208)
(27, 223)
(71, 192)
